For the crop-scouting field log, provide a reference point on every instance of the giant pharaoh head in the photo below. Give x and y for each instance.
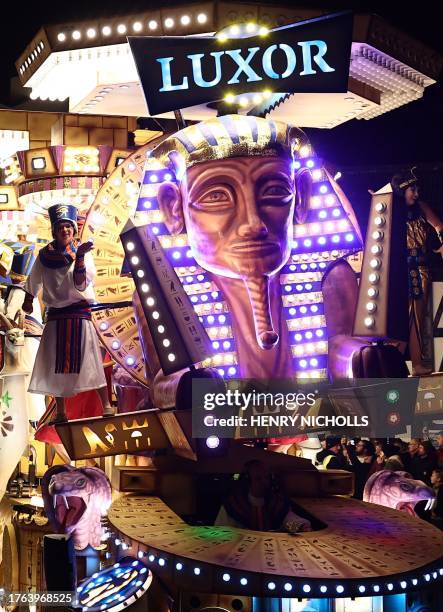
(233, 188)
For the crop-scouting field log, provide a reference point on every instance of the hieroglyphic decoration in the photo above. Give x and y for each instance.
(115, 202)
(130, 432)
(361, 540)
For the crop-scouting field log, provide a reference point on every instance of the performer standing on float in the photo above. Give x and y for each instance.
(420, 219)
(68, 361)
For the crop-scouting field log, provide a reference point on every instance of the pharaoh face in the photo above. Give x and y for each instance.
(238, 214)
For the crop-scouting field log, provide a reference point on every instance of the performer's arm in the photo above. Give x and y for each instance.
(32, 286)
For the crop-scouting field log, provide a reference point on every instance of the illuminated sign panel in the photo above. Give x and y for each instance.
(310, 56)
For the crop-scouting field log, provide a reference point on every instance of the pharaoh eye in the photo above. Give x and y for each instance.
(276, 190)
(80, 483)
(215, 196)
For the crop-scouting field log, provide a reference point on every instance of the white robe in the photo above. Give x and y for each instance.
(59, 291)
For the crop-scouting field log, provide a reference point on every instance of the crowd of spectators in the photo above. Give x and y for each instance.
(420, 458)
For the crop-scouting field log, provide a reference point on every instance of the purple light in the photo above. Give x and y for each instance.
(322, 214)
(288, 288)
(323, 189)
(212, 442)
(204, 298)
(307, 242)
(296, 165)
(130, 361)
(147, 204)
(226, 345)
(335, 238)
(176, 255)
(313, 362)
(308, 286)
(308, 335)
(232, 371)
(304, 267)
(322, 265)
(292, 311)
(298, 337)
(221, 318)
(299, 287)
(303, 309)
(321, 240)
(294, 244)
(211, 319)
(115, 345)
(214, 294)
(194, 299)
(189, 253)
(313, 266)
(303, 363)
(153, 178)
(336, 212)
(319, 333)
(221, 371)
(168, 177)
(349, 237)
(310, 163)
(216, 344)
(104, 326)
(292, 267)
(155, 230)
(314, 308)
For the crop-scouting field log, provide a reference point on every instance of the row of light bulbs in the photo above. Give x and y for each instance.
(289, 586)
(136, 28)
(31, 57)
(375, 264)
(150, 302)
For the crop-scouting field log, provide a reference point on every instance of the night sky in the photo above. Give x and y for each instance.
(412, 133)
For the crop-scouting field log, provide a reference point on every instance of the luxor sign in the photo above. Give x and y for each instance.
(310, 56)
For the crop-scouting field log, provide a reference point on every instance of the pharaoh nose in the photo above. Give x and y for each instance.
(254, 228)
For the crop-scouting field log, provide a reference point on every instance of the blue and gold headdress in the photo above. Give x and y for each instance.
(327, 230)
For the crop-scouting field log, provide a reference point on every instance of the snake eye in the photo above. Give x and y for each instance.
(80, 483)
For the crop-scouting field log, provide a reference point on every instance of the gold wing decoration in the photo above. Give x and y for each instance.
(114, 203)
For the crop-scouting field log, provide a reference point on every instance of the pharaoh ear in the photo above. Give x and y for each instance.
(171, 204)
(303, 185)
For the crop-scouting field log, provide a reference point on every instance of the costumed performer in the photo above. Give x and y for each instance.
(420, 219)
(69, 359)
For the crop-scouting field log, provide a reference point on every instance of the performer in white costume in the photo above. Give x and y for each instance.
(69, 360)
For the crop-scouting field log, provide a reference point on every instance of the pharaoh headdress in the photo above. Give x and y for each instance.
(325, 229)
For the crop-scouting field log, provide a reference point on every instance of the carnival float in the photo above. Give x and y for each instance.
(224, 249)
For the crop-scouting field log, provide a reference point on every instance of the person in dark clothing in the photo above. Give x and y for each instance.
(410, 459)
(362, 457)
(425, 463)
(436, 517)
(319, 457)
(334, 459)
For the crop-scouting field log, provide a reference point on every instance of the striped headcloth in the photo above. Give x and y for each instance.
(223, 137)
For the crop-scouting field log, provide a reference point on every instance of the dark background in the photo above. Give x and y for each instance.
(366, 152)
